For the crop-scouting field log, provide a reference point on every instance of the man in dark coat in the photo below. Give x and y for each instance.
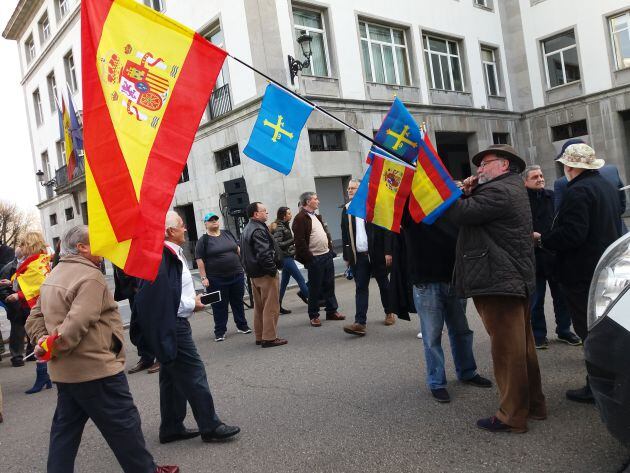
(586, 224)
(367, 252)
(495, 266)
(15, 312)
(162, 310)
(541, 202)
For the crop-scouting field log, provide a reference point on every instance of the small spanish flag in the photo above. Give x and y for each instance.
(146, 82)
(48, 345)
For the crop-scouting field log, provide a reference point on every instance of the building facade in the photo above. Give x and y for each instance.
(532, 73)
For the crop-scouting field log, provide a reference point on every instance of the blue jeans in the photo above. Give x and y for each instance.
(362, 271)
(232, 291)
(184, 381)
(563, 318)
(437, 303)
(289, 268)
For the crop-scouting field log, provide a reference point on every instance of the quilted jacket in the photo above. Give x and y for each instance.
(495, 251)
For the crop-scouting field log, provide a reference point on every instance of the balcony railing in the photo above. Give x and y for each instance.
(220, 102)
(61, 174)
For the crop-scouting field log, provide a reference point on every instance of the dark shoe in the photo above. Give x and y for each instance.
(441, 395)
(583, 395)
(1, 419)
(273, 343)
(17, 363)
(355, 329)
(185, 435)
(219, 338)
(284, 311)
(167, 469)
(244, 330)
(570, 339)
(479, 382)
(154, 368)
(222, 432)
(316, 322)
(335, 316)
(495, 425)
(140, 366)
(41, 381)
(542, 344)
(258, 342)
(303, 297)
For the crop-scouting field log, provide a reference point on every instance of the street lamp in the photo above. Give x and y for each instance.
(42, 182)
(296, 66)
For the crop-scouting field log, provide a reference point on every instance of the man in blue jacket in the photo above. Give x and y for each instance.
(163, 308)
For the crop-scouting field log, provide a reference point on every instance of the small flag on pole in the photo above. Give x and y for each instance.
(276, 133)
(48, 345)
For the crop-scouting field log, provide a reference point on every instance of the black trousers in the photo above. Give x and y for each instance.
(321, 284)
(16, 339)
(362, 271)
(109, 404)
(184, 380)
(146, 357)
(576, 297)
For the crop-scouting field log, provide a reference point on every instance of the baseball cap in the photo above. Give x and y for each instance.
(209, 215)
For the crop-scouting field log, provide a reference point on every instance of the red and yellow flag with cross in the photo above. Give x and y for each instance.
(146, 82)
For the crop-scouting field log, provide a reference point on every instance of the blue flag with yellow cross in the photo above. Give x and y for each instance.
(276, 133)
(399, 133)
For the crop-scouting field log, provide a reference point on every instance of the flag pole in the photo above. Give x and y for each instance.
(325, 112)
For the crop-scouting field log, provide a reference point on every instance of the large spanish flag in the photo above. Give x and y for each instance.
(146, 82)
(30, 275)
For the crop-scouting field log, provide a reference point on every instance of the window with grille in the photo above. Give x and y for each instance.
(69, 213)
(501, 138)
(227, 158)
(569, 130)
(53, 219)
(385, 56)
(444, 63)
(184, 177)
(561, 59)
(326, 140)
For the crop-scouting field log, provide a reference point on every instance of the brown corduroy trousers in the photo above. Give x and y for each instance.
(514, 358)
(266, 292)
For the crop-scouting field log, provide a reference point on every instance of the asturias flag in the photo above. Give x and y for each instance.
(71, 134)
(399, 133)
(146, 82)
(383, 192)
(276, 133)
(433, 189)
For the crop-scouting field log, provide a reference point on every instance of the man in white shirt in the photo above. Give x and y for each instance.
(367, 252)
(163, 308)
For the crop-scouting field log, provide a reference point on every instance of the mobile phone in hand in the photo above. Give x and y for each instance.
(211, 297)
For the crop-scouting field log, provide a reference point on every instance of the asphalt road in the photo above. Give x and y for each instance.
(328, 402)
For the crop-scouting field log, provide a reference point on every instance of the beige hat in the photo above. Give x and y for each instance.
(580, 156)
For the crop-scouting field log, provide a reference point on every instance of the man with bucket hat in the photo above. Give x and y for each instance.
(494, 264)
(586, 224)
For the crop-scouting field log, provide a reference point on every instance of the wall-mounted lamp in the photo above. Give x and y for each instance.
(42, 182)
(296, 66)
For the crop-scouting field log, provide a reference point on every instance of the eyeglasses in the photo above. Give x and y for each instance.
(485, 163)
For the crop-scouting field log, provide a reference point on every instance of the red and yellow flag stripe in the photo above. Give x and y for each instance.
(146, 82)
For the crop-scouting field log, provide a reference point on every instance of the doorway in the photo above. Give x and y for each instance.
(187, 213)
(332, 196)
(453, 149)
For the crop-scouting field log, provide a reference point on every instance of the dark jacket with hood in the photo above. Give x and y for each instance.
(283, 235)
(495, 250)
(542, 205)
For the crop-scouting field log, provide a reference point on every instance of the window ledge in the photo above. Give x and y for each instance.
(386, 92)
(320, 85)
(497, 102)
(450, 97)
(621, 76)
(486, 8)
(564, 92)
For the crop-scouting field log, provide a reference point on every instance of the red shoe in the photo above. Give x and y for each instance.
(167, 469)
(335, 316)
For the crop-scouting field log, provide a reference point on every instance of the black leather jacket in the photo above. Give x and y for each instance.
(284, 238)
(259, 253)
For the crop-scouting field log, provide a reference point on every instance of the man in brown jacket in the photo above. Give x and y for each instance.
(313, 248)
(88, 361)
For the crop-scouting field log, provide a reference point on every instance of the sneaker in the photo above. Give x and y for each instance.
(570, 339)
(419, 336)
(479, 382)
(355, 329)
(284, 311)
(243, 330)
(493, 424)
(441, 395)
(390, 319)
(542, 344)
(583, 395)
(220, 338)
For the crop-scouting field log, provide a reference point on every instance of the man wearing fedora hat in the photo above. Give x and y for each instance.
(586, 224)
(494, 264)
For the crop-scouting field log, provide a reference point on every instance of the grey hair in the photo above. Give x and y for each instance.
(172, 219)
(528, 169)
(74, 236)
(305, 197)
(355, 181)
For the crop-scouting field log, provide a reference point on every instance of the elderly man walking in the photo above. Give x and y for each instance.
(260, 258)
(88, 361)
(163, 308)
(495, 266)
(587, 223)
(313, 248)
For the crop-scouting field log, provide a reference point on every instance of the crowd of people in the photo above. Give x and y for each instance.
(500, 245)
